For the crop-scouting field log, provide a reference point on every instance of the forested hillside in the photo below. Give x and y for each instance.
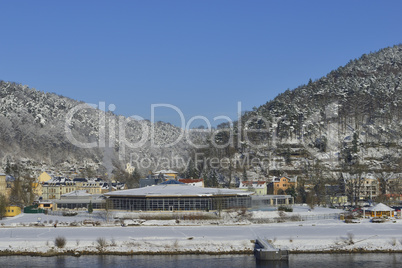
(346, 122)
(33, 128)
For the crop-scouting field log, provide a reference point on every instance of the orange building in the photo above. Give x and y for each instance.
(278, 186)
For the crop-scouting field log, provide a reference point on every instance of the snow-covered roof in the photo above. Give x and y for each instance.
(83, 200)
(176, 190)
(369, 176)
(58, 180)
(116, 186)
(380, 207)
(76, 193)
(394, 176)
(291, 179)
(255, 184)
(80, 179)
(364, 175)
(10, 178)
(164, 171)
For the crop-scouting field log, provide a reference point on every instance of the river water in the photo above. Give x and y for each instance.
(366, 260)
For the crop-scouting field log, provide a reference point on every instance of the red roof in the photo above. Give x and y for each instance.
(190, 180)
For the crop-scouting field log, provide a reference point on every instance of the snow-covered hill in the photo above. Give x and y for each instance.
(350, 118)
(47, 131)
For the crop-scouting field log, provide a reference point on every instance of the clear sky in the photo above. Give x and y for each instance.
(201, 56)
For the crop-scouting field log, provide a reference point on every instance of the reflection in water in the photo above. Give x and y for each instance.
(60, 261)
(367, 260)
(272, 264)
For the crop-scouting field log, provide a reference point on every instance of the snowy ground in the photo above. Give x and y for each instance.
(311, 235)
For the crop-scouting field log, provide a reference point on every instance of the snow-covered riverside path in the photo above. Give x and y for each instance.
(325, 235)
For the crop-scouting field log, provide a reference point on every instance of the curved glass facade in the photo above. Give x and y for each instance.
(161, 203)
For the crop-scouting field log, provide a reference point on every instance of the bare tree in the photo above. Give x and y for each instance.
(3, 206)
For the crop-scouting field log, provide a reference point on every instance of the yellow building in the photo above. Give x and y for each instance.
(380, 210)
(58, 186)
(37, 185)
(3, 184)
(12, 211)
(258, 187)
(6, 184)
(55, 187)
(91, 186)
(365, 186)
(130, 169)
(338, 200)
(45, 205)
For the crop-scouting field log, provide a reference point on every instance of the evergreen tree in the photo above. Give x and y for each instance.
(245, 175)
(355, 143)
(90, 207)
(291, 191)
(8, 167)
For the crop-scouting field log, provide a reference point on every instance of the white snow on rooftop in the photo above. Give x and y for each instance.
(380, 207)
(176, 189)
(164, 171)
(76, 193)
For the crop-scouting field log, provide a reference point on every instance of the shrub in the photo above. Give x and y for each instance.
(295, 218)
(350, 238)
(176, 244)
(101, 243)
(60, 242)
(285, 208)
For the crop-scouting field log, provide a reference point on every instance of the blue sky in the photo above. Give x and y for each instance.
(201, 56)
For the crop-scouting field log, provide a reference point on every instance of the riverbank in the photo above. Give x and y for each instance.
(320, 236)
(233, 233)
